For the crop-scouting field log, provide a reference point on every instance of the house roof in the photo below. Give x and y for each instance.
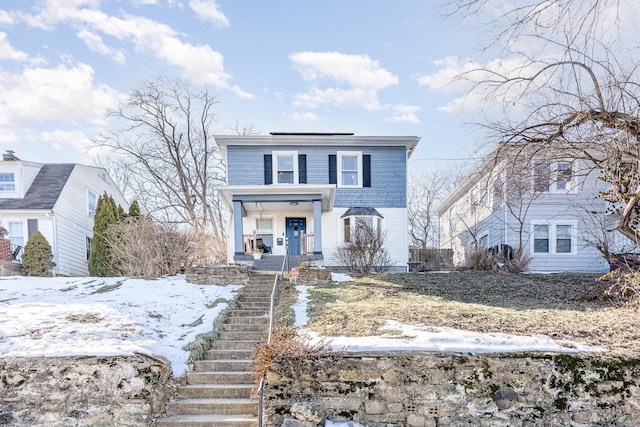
(45, 189)
(361, 212)
(318, 139)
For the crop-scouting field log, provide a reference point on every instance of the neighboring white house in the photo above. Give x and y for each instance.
(545, 205)
(59, 200)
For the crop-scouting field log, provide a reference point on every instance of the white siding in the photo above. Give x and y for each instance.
(394, 222)
(72, 220)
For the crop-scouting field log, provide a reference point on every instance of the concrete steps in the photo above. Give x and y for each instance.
(218, 389)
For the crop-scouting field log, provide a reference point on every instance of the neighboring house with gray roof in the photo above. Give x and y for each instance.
(59, 200)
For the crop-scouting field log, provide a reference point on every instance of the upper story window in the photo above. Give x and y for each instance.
(349, 169)
(7, 182)
(92, 202)
(553, 177)
(285, 167)
(451, 216)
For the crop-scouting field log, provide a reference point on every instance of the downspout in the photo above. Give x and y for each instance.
(506, 226)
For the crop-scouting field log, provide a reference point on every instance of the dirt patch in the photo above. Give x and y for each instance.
(523, 304)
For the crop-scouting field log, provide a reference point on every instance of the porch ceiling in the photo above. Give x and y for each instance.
(279, 196)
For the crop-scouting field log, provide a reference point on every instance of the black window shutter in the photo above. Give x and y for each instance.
(333, 169)
(32, 226)
(302, 168)
(268, 169)
(366, 170)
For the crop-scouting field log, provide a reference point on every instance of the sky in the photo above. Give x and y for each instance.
(362, 66)
(98, 316)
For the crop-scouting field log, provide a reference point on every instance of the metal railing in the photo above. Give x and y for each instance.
(274, 301)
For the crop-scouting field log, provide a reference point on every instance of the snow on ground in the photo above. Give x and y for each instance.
(106, 316)
(400, 337)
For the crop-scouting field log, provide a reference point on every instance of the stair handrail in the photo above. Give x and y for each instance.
(275, 292)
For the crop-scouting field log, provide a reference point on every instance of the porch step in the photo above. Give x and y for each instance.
(212, 391)
(212, 406)
(208, 421)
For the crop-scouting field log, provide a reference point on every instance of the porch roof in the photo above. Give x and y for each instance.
(295, 195)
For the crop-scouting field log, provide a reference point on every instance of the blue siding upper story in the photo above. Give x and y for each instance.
(388, 172)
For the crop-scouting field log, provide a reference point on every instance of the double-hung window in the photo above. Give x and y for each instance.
(7, 182)
(264, 230)
(349, 169)
(563, 176)
(541, 238)
(554, 237)
(285, 167)
(552, 177)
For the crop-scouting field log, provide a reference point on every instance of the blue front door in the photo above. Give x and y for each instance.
(295, 228)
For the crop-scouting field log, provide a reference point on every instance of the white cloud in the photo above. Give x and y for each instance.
(60, 139)
(8, 52)
(94, 42)
(62, 93)
(304, 117)
(199, 63)
(207, 10)
(6, 18)
(356, 79)
(404, 113)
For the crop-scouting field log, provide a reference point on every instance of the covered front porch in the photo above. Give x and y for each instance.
(277, 220)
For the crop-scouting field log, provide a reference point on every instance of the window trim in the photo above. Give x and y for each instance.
(552, 173)
(95, 207)
(553, 237)
(12, 182)
(340, 155)
(274, 157)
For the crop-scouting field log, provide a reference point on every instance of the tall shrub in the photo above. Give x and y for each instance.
(99, 258)
(37, 258)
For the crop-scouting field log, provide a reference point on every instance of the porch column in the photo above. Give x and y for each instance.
(237, 228)
(317, 227)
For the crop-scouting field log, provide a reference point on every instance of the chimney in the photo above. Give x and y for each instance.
(9, 155)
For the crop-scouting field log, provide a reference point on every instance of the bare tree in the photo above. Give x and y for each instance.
(424, 193)
(365, 251)
(564, 75)
(172, 162)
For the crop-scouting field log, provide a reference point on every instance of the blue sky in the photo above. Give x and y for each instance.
(362, 66)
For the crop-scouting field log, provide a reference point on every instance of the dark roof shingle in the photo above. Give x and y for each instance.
(44, 190)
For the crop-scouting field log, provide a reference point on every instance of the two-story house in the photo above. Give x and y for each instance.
(304, 192)
(59, 200)
(542, 204)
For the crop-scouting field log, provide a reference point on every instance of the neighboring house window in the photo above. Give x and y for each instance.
(88, 244)
(563, 176)
(552, 177)
(7, 182)
(452, 218)
(563, 238)
(473, 202)
(541, 177)
(554, 238)
(16, 234)
(483, 241)
(92, 202)
(264, 230)
(541, 238)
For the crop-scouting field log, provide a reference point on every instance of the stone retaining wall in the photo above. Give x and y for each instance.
(432, 389)
(83, 391)
(218, 275)
(312, 276)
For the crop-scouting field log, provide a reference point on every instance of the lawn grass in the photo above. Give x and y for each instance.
(556, 305)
